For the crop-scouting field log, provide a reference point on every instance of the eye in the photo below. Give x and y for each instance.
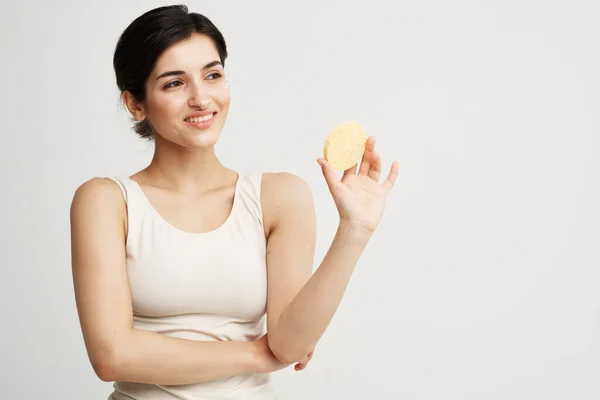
(172, 84)
(213, 76)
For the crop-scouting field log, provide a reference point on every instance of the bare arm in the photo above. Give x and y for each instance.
(116, 350)
(301, 305)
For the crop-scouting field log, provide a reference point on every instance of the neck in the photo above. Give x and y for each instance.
(189, 171)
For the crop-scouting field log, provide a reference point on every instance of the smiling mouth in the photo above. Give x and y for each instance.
(201, 119)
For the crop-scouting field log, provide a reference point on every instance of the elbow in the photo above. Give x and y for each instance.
(286, 352)
(107, 365)
(104, 369)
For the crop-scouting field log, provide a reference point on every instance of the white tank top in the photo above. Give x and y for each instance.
(198, 286)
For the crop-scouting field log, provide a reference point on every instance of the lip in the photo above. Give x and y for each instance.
(203, 124)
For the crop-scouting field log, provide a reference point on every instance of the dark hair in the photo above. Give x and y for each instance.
(146, 38)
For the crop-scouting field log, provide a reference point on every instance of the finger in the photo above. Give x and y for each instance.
(301, 365)
(365, 164)
(350, 171)
(389, 182)
(375, 169)
(329, 173)
(304, 362)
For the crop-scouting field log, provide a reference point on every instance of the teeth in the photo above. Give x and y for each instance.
(200, 119)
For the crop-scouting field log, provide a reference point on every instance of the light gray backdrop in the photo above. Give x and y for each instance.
(483, 279)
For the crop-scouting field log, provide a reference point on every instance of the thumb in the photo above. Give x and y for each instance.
(329, 174)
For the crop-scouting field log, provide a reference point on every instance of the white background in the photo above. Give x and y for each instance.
(482, 281)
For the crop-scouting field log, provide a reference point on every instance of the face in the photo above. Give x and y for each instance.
(187, 95)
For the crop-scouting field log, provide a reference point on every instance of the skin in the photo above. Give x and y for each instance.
(192, 190)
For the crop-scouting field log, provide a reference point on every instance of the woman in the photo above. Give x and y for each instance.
(193, 281)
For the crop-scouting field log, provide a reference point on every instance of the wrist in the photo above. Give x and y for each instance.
(255, 360)
(354, 230)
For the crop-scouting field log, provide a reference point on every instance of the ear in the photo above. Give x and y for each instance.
(134, 107)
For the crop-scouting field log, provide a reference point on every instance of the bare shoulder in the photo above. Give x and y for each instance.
(277, 183)
(284, 189)
(97, 197)
(97, 190)
(285, 195)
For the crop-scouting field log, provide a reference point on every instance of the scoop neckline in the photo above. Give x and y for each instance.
(149, 204)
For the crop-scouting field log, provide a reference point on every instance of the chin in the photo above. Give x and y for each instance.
(202, 139)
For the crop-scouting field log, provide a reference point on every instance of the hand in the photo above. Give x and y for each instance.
(360, 198)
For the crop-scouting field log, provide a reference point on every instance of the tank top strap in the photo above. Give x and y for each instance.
(249, 189)
(135, 206)
(121, 182)
(128, 187)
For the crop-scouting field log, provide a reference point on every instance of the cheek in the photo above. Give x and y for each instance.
(219, 93)
(165, 105)
(222, 97)
(171, 105)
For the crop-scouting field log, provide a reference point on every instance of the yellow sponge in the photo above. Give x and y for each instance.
(345, 145)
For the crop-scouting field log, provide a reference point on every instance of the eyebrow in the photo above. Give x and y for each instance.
(179, 72)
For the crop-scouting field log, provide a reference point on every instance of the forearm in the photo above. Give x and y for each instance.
(303, 322)
(148, 357)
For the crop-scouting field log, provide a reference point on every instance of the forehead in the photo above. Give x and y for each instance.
(191, 54)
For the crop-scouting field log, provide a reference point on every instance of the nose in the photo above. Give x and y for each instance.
(198, 96)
